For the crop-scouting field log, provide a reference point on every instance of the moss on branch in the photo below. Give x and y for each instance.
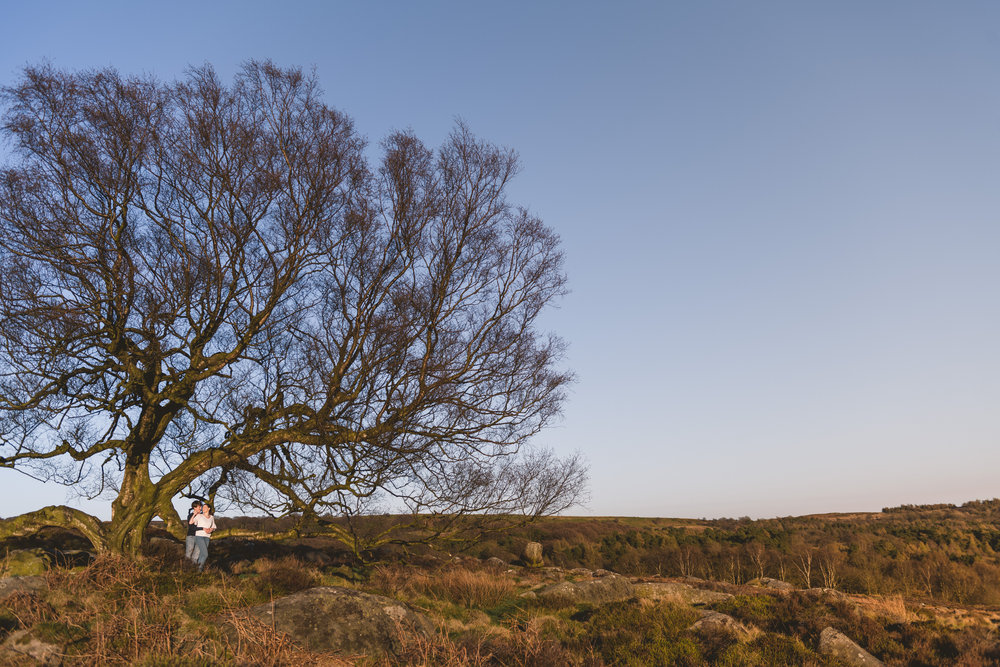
(59, 516)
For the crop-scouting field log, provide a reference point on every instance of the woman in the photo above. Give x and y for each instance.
(206, 526)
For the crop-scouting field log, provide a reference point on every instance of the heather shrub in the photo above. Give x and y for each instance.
(626, 633)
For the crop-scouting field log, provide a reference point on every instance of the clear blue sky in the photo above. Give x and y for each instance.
(781, 219)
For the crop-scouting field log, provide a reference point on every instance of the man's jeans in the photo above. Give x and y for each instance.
(189, 547)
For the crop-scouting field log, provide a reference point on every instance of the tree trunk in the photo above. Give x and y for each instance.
(132, 510)
(128, 530)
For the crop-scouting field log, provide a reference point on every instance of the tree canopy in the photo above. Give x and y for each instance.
(212, 289)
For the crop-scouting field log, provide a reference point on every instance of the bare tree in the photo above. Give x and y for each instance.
(804, 563)
(684, 561)
(758, 557)
(207, 289)
(831, 559)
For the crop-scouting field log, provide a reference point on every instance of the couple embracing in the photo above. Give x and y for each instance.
(201, 525)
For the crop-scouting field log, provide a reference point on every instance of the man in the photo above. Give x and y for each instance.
(189, 541)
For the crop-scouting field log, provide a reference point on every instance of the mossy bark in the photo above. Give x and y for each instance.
(133, 509)
(59, 516)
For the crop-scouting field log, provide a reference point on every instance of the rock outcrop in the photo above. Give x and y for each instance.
(670, 591)
(27, 562)
(11, 585)
(713, 621)
(342, 620)
(496, 563)
(597, 591)
(22, 647)
(772, 584)
(839, 645)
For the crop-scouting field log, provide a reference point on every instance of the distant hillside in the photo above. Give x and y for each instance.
(940, 552)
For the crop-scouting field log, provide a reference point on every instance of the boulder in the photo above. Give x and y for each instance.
(825, 594)
(342, 620)
(772, 584)
(23, 647)
(596, 591)
(11, 585)
(532, 554)
(27, 562)
(839, 645)
(681, 593)
(496, 563)
(713, 621)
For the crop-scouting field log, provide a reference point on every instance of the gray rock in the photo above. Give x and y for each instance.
(11, 585)
(22, 646)
(26, 562)
(497, 563)
(839, 645)
(342, 620)
(596, 591)
(533, 554)
(603, 573)
(713, 621)
(681, 593)
(581, 572)
(772, 584)
(825, 593)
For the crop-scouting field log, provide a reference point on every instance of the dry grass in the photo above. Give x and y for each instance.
(438, 650)
(120, 611)
(892, 607)
(517, 648)
(282, 576)
(469, 588)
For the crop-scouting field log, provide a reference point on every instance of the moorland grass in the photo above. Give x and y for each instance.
(158, 611)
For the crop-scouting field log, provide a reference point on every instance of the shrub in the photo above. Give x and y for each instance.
(759, 610)
(769, 649)
(626, 633)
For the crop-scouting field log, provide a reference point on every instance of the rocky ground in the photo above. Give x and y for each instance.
(65, 607)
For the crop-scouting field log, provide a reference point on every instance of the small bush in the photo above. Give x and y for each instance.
(767, 650)
(759, 610)
(625, 633)
(203, 603)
